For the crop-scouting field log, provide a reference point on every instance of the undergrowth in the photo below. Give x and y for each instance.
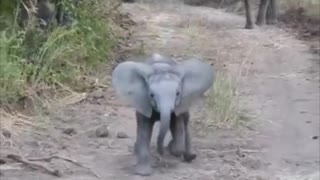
(311, 8)
(36, 59)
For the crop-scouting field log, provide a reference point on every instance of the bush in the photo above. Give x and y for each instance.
(33, 58)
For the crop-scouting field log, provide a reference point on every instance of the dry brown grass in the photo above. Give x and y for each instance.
(311, 7)
(222, 110)
(304, 18)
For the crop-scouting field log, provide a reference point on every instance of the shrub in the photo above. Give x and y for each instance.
(34, 58)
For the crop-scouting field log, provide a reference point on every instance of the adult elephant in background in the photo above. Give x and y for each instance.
(267, 13)
(161, 89)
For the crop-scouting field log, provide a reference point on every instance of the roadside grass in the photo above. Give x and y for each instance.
(43, 68)
(221, 107)
(38, 61)
(221, 102)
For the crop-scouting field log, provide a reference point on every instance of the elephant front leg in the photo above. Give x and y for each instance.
(188, 156)
(176, 146)
(142, 145)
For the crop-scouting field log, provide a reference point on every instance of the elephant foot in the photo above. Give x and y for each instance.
(248, 26)
(143, 170)
(188, 157)
(175, 149)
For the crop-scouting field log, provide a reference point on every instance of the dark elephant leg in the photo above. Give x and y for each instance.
(272, 12)
(188, 156)
(142, 144)
(249, 23)
(177, 144)
(262, 12)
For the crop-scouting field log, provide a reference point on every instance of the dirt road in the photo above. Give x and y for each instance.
(278, 87)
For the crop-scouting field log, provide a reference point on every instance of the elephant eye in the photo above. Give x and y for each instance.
(178, 93)
(152, 95)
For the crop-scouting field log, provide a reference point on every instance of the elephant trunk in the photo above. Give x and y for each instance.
(165, 117)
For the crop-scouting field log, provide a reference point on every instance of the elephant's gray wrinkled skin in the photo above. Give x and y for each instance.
(161, 89)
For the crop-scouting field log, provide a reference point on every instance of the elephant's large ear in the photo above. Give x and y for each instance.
(197, 78)
(129, 81)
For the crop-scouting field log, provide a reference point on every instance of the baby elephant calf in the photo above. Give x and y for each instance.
(161, 89)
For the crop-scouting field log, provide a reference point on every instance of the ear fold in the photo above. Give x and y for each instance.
(197, 78)
(129, 81)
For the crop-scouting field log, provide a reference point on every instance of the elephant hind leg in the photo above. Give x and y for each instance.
(180, 145)
(188, 156)
(176, 146)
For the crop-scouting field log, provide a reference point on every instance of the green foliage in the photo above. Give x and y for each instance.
(12, 76)
(34, 58)
(7, 12)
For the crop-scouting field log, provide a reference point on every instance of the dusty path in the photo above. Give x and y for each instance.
(278, 86)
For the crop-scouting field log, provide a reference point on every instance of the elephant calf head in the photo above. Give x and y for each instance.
(161, 84)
